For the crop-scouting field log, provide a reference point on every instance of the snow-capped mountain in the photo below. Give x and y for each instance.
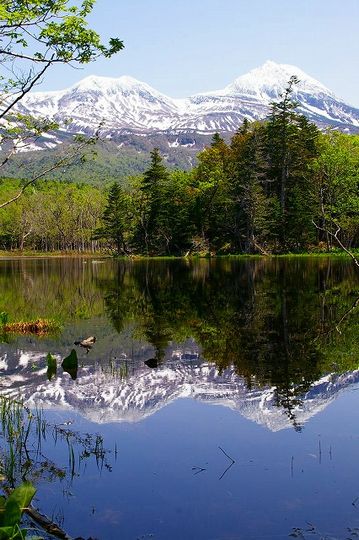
(127, 106)
(122, 104)
(105, 397)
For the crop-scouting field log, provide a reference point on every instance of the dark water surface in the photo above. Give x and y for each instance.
(219, 402)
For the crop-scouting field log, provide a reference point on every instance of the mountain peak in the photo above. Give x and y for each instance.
(270, 80)
(95, 82)
(127, 105)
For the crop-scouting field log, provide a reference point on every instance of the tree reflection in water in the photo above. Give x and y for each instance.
(272, 320)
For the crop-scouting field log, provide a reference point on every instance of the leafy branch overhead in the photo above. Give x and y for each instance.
(51, 31)
(35, 36)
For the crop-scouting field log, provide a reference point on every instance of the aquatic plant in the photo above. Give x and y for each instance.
(11, 510)
(23, 432)
(4, 317)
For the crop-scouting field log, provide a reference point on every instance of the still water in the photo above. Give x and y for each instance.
(219, 402)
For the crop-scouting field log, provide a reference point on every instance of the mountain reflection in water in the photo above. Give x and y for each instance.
(271, 341)
(130, 391)
(259, 336)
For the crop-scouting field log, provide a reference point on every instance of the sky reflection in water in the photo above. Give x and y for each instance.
(257, 337)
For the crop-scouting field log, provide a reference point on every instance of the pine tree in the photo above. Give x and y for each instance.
(115, 220)
(291, 145)
(153, 180)
(216, 140)
(211, 194)
(251, 208)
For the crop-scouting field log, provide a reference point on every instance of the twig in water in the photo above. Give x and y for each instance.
(230, 465)
(225, 453)
(225, 472)
(198, 470)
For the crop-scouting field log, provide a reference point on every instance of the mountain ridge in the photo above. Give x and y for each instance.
(105, 398)
(125, 105)
(135, 118)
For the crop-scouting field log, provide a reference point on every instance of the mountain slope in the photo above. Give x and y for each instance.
(103, 397)
(250, 96)
(135, 118)
(128, 106)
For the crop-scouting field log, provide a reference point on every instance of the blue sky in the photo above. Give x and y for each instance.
(188, 46)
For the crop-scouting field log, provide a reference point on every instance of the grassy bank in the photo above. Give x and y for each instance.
(53, 254)
(103, 255)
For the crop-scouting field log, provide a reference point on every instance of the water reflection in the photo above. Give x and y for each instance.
(274, 342)
(274, 322)
(233, 332)
(125, 390)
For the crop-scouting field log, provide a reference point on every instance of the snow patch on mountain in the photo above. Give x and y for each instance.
(125, 105)
(269, 81)
(102, 397)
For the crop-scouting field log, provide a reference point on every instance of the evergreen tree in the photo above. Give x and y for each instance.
(217, 140)
(252, 210)
(115, 220)
(291, 146)
(210, 209)
(155, 177)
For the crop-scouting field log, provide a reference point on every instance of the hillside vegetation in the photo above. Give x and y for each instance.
(277, 186)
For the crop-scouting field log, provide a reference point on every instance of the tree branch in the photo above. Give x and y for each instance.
(25, 90)
(340, 243)
(63, 161)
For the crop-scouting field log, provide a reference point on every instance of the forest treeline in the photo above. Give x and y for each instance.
(279, 185)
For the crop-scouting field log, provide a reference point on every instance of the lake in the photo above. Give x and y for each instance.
(219, 402)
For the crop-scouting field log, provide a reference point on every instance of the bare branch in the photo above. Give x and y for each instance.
(65, 160)
(25, 90)
(340, 243)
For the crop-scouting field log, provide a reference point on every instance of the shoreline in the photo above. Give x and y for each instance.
(4, 255)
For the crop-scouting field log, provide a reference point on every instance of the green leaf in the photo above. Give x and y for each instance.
(12, 514)
(22, 495)
(4, 317)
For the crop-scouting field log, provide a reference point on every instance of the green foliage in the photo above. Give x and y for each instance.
(291, 149)
(51, 31)
(154, 179)
(11, 509)
(336, 171)
(34, 37)
(115, 219)
(51, 216)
